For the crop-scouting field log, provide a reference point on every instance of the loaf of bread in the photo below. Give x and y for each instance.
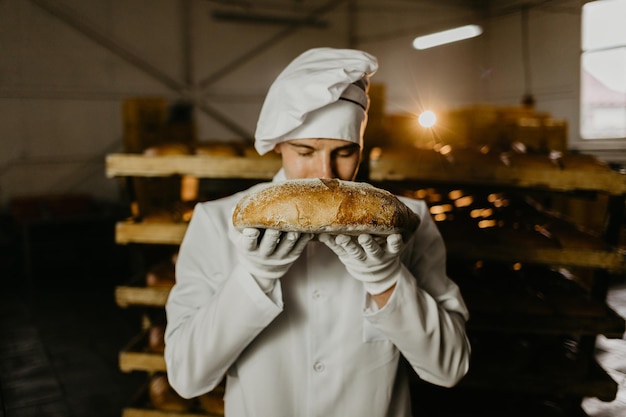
(156, 338)
(218, 149)
(168, 149)
(213, 402)
(161, 274)
(324, 206)
(163, 396)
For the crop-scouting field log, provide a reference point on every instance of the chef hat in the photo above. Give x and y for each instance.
(320, 94)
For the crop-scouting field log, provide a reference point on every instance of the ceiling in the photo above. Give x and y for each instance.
(284, 11)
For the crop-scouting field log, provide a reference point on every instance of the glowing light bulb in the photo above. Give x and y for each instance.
(427, 119)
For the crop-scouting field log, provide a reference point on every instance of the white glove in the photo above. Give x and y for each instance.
(269, 257)
(375, 264)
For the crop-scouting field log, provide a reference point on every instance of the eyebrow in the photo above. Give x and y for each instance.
(339, 148)
(299, 145)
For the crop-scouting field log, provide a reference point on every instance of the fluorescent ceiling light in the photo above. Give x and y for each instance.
(447, 36)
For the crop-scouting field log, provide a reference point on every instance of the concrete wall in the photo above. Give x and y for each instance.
(550, 72)
(66, 67)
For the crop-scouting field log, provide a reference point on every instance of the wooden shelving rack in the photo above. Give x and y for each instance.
(489, 316)
(136, 356)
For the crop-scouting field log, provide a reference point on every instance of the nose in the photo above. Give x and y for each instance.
(325, 167)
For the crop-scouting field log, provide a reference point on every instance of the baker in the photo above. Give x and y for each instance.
(313, 324)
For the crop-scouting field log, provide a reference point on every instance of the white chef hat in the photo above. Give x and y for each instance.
(320, 94)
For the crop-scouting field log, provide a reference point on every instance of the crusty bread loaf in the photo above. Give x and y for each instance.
(217, 149)
(164, 149)
(213, 402)
(163, 396)
(156, 338)
(161, 274)
(324, 206)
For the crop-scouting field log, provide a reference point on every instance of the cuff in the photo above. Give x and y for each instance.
(378, 287)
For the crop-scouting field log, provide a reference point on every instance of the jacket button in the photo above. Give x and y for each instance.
(318, 366)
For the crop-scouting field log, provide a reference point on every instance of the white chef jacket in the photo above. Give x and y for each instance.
(317, 346)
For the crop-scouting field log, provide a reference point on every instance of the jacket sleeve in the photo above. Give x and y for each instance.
(214, 310)
(426, 315)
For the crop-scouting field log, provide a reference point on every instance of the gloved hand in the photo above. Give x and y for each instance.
(375, 264)
(269, 257)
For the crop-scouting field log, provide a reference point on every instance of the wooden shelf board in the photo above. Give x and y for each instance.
(144, 296)
(142, 407)
(194, 165)
(150, 232)
(396, 169)
(465, 402)
(383, 169)
(136, 357)
(597, 383)
(141, 361)
(608, 325)
(173, 233)
(150, 412)
(610, 260)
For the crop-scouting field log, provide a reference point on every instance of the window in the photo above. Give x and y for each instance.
(603, 70)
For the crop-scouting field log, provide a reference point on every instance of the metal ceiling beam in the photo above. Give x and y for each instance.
(80, 24)
(224, 121)
(263, 46)
(259, 18)
(187, 41)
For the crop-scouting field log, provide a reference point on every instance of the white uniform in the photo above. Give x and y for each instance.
(317, 346)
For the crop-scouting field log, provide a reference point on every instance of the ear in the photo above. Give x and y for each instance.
(278, 148)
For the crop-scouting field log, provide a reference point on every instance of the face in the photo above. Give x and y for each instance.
(320, 158)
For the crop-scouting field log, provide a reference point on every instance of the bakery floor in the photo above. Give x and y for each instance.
(61, 333)
(60, 329)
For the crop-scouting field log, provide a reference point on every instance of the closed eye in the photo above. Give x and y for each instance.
(346, 152)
